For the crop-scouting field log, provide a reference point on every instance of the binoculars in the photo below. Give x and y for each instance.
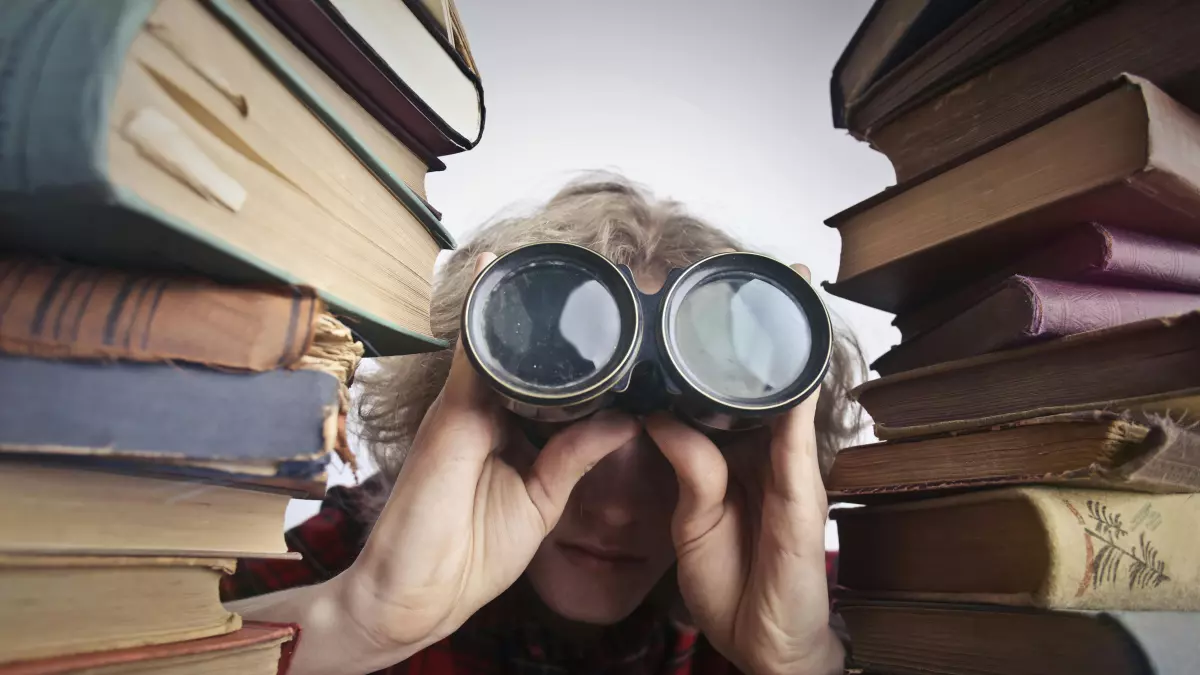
(559, 332)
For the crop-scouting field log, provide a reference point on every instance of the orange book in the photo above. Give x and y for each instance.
(59, 310)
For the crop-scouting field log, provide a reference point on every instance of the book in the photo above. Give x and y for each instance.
(1088, 253)
(1085, 449)
(923, 638)
(997, 98)
(398, 59)
(1023, 310)
(54, 505)
(255, 649)
(407, 159)
(61, 605)
(167, 410)
(1148, 365)
(187, 159)
(987, 32)
(1121, 156)
(1047, 547)
(53, 309)
(887, 36)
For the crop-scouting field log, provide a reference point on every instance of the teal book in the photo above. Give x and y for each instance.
(181, 135)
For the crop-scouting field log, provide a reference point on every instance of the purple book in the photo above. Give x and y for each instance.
(1026, 309)
(1090, 253)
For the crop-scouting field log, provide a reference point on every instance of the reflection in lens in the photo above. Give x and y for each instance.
(742, 337)
(551, 325)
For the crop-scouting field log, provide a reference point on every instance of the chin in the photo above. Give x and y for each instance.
(602, 596)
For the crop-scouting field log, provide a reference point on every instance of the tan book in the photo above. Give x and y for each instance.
(53, 606)
(1122, 155)
(75, 511)
(1029, 546)
(1085, 449)
(255, 649)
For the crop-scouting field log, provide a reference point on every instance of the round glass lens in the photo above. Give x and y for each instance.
(741, 337)
(551, 325)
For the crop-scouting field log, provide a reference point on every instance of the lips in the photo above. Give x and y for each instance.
(593, 556)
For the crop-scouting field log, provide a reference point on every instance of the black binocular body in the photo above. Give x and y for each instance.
(559, 332)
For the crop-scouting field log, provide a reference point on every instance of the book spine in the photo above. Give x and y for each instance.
(1120, 550)
(58, 310)
(1145, 261)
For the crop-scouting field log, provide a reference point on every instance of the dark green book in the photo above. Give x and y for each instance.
(171, 135)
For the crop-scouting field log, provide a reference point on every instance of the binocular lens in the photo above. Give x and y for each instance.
(549, 327)
(559, 332)
(739, 337)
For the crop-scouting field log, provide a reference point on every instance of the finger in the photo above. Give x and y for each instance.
(795, 467)
(804, 271)
(702, 473)
(463, 386)
(571, 453)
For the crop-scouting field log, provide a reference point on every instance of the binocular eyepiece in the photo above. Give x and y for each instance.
(559, 332)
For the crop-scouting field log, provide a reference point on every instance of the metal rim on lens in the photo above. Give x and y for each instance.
(668, 350)
(530, 396)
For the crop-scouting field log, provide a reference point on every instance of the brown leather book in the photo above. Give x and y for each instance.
(1089, 253)
(911, 638)
(1123, 156)
(1024, 310)
(1084, 449)
(1047, 547)
(60, 310)
(1130, 366)
(975, 108)
(258, 648)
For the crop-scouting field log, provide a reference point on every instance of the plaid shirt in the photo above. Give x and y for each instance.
(495, 640)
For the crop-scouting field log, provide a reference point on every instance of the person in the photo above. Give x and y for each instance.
(623, 546)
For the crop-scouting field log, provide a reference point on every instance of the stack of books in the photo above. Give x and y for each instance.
(210, 210)
(1031, 507)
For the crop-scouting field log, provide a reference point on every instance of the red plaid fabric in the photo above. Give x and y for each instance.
(496, 640)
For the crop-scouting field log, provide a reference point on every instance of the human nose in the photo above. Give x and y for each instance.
(608, 493)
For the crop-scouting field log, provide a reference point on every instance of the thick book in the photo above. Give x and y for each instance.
(1134, 365)
(910, 638)
(1086, 449)
(887, 36)
(1024, 310)
(60, 605)
(255, 649)
(990, 31)
(981, 106)
(168, 136)
(1122, 156)
(168, 411)
(1088, 253)
(53, 309)
(397, 60)
(1047, 547)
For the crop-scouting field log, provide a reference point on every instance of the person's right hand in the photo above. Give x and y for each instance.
(462, 524)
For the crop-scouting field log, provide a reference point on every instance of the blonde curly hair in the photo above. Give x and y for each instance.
(617, 219)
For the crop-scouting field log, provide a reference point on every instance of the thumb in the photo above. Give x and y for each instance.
(571, 453)
(702, 472)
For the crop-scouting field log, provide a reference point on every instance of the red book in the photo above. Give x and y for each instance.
(1023, 310)
(256, 649)
(1089, 253)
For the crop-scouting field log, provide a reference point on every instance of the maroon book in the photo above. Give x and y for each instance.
(432, 125)
(1091, 253)
(1023, 310)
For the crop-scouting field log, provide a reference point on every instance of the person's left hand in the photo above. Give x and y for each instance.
(749, 533)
